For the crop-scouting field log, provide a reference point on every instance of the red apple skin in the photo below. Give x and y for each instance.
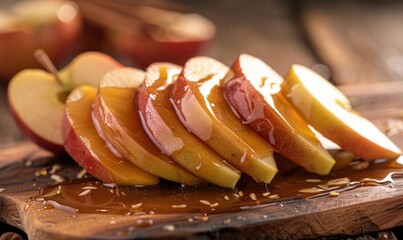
(80, 148)
(255, 111)
(199, 104)
(57, 149)
(81, 154)
(57, 39)
(250, 106)
(152, 122)
(144, 50)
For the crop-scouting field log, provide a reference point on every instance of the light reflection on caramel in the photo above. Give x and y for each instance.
(166, 197)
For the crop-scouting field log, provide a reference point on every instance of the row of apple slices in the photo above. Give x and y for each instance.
(176, 105)
(184, 124)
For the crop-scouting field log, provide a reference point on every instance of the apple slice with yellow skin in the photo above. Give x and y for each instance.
(327, 109)
(254, 95)
(170, 136)
(117, 116)
(36, 99)
(200, 105)
(84, 145)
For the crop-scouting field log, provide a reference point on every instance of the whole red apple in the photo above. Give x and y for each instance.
(29, 25)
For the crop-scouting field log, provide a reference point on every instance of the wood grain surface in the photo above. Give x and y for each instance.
(359, 48)
(359, 211)
(354, 212)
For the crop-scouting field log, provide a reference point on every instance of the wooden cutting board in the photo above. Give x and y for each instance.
(358, 211)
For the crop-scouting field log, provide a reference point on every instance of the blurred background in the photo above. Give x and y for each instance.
(348, 42)
(351, 43)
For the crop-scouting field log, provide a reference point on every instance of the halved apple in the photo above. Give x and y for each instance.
(254, 95)
(170, 136)
(327, 109)
(200, 105)
(117, 118)
(84, 145)
(36, 100)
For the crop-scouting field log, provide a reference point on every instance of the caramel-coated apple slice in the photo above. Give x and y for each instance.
(199, 103)
(116, 117)
(254, 95)
(84, 145)
(170, 136)
(327, 109)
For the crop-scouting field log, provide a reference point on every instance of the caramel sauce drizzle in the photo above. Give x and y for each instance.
(92, 196)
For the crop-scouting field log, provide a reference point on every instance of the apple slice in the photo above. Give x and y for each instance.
(200, 105)
(87, 68)
(36, 99)
(117, 116)
(170, 136)
(327, 109)
(254, 95)
(85, 146)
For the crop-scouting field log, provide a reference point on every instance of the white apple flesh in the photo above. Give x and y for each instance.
(36, 99)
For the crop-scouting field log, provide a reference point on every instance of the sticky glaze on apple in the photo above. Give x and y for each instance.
(271, 116)
(200, 105)
(85, 146)
(170, 136)
(116, 111)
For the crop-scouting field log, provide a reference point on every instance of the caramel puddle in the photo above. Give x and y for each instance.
(92, 196)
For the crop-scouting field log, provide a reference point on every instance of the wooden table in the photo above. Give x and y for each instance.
(359, 45)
